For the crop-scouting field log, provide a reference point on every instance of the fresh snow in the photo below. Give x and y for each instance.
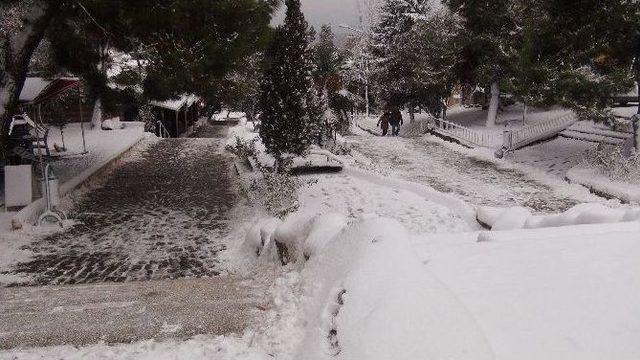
(600, 183)
(521, 218)
(559, 293)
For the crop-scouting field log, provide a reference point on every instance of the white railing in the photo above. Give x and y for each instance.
(541, 131)
(162, 131)
(465, 135)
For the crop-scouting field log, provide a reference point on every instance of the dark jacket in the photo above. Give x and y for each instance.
(395, 118)
(384, 120)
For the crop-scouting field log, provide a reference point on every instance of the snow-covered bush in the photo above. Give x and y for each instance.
(338, 146)
(303, 235)
(146, 115)
(611, 162)
(278, 191)
(243, 148)
(581, 214)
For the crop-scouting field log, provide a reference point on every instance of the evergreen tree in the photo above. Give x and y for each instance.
(391, 73)
(428, 53)
(290, 118)
(327, 58)
(186, 46)
(485, 43)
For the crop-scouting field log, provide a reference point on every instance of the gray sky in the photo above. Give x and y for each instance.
(332, 12)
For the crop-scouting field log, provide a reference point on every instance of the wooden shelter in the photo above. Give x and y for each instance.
(178, 116)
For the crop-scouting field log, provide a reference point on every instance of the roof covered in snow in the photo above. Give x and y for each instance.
(33, 86)
(178, 103)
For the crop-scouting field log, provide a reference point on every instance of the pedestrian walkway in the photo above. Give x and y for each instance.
(121, 313)
(475, 181)
(162, 214)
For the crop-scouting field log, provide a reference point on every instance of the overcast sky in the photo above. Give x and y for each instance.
(332, 12)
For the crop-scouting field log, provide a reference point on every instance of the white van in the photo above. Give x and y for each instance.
(631, 96)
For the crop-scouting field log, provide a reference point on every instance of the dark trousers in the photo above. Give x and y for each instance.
(385, 130)
(395, 129)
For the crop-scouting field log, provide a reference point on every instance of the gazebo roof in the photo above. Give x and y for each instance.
(33, 86)
(37, 90)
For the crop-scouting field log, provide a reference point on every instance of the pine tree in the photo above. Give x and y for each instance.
(390, 71)
(290, 120)
(487, 37)
(428, 54)
(327, 59)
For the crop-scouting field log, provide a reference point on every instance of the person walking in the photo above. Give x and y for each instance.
(384, 123)
(395, 119)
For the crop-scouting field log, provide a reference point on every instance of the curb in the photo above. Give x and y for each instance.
(30, 212)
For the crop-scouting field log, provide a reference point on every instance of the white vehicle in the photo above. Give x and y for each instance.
(631, 96)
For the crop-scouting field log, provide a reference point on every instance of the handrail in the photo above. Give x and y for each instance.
(530, 134)
(161, 130)
(477, 138)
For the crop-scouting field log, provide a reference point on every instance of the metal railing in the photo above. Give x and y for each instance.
(541, 131)
(465, 135)
(161, 130)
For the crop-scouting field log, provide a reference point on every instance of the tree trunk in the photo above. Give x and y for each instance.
(96, 118)
(635, 122)
(493, 105)
(524, 114)
(18, 48)
(412, 114)
(64, 146)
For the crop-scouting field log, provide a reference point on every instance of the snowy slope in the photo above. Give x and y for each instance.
(569, 293)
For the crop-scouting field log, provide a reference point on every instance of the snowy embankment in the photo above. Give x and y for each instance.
(602, 185)
(521, 218)
(554, 293)
(551, 293)
(366, 295)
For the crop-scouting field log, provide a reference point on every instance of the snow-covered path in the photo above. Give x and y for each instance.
(471, 179)
(163, 213)
(121, 313)
(354, 198)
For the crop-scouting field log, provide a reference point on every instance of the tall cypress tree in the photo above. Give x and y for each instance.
(290, 122)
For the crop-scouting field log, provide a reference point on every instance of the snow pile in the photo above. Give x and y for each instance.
(259, 237)
(308, 233)
(369, 298)
(521, 218)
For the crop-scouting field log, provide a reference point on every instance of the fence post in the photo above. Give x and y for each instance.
(507, 140)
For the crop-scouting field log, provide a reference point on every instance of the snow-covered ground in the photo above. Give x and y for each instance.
(100, 145)
(394, 272)
(561, 293)
(354, 197)
(473, 175)
(554, 157)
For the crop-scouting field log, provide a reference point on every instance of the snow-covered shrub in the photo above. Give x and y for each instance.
(338, 147)
(244, 149)
(303, 235)
(278, 191)
(611, 162)
(259, 236)
(146, 115)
